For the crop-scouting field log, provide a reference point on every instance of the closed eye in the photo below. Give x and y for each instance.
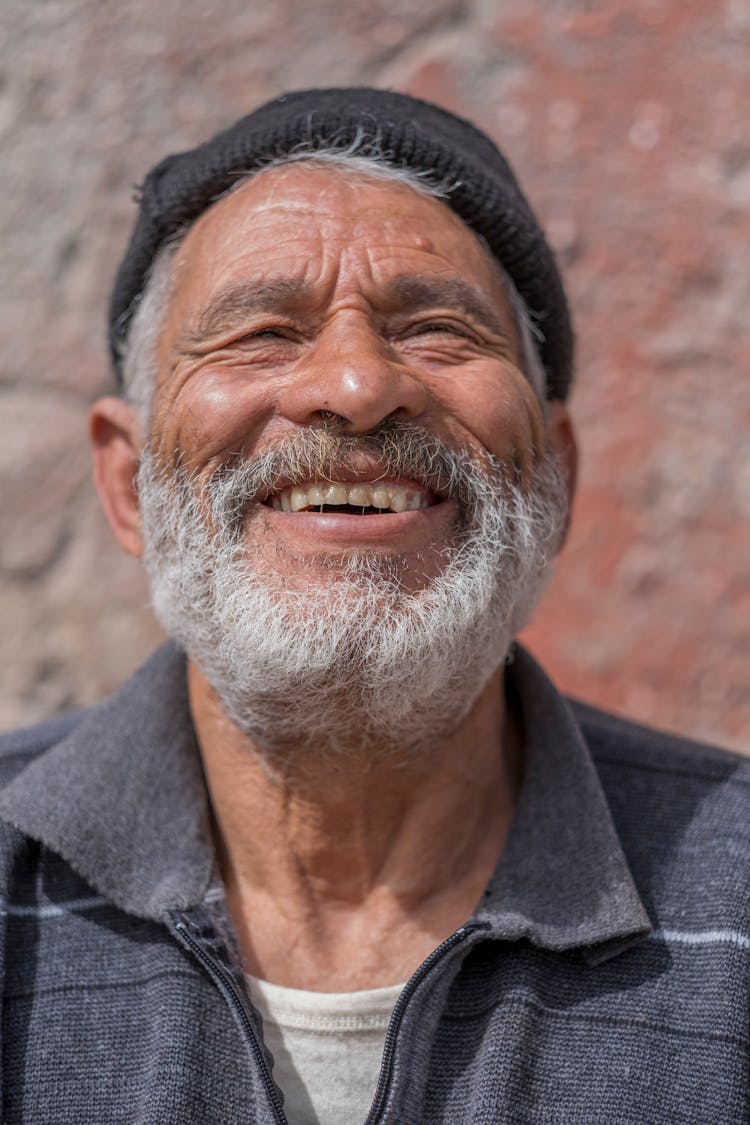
(450, 327)
(254, 344)
(269, 332)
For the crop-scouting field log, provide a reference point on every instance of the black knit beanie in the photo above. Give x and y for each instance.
(408, 133)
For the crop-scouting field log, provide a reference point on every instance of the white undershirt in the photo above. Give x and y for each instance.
(327, 1048)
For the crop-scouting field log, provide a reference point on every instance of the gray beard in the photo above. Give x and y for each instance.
(349, 659)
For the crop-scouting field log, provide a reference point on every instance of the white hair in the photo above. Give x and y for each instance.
(139, 362)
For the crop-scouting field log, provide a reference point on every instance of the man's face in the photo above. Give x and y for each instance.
(308, 296)
(349, 497)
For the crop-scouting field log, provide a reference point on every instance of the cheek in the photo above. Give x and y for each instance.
(500, 411)
(211, 417)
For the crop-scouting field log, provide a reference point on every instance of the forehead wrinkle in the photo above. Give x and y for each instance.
(416, 293)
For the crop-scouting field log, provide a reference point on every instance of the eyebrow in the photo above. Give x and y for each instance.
(240, 300)
(413, 293)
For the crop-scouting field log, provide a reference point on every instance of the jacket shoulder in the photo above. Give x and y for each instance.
(682, 812)
(615, 740)
(18, 748)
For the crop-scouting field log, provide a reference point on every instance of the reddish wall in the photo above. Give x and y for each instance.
(628, 123)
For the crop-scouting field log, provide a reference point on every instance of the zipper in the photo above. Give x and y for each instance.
(394, 1024)
(226, 986)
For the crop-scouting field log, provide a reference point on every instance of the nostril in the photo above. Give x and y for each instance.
(332, 417)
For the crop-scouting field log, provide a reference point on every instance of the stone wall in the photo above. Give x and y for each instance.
(627, 121)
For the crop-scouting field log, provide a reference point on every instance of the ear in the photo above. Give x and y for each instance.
(561, 440)
(116, 444)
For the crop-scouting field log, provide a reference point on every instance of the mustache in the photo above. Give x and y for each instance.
(401, 449)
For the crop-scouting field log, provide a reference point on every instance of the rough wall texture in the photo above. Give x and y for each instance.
(627, 121)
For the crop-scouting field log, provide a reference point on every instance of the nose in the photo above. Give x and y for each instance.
(352, 374)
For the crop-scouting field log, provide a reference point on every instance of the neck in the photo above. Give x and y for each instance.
(368, 859)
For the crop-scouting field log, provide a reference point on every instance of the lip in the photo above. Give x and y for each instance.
(395, 531)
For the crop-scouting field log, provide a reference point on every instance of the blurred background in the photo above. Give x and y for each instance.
(628, 122)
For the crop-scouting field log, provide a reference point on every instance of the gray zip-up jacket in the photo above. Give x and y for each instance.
(602, 979)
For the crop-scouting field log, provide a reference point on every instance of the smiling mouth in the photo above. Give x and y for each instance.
(353, 498)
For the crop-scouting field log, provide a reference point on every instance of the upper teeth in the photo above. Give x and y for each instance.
(396, 497)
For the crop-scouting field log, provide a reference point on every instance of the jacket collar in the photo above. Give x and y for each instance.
(122, 799)
(563, 881)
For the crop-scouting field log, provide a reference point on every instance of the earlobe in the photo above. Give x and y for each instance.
(562, 441)
(116, 444)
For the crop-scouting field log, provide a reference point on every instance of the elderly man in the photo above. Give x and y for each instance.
(340, 850)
